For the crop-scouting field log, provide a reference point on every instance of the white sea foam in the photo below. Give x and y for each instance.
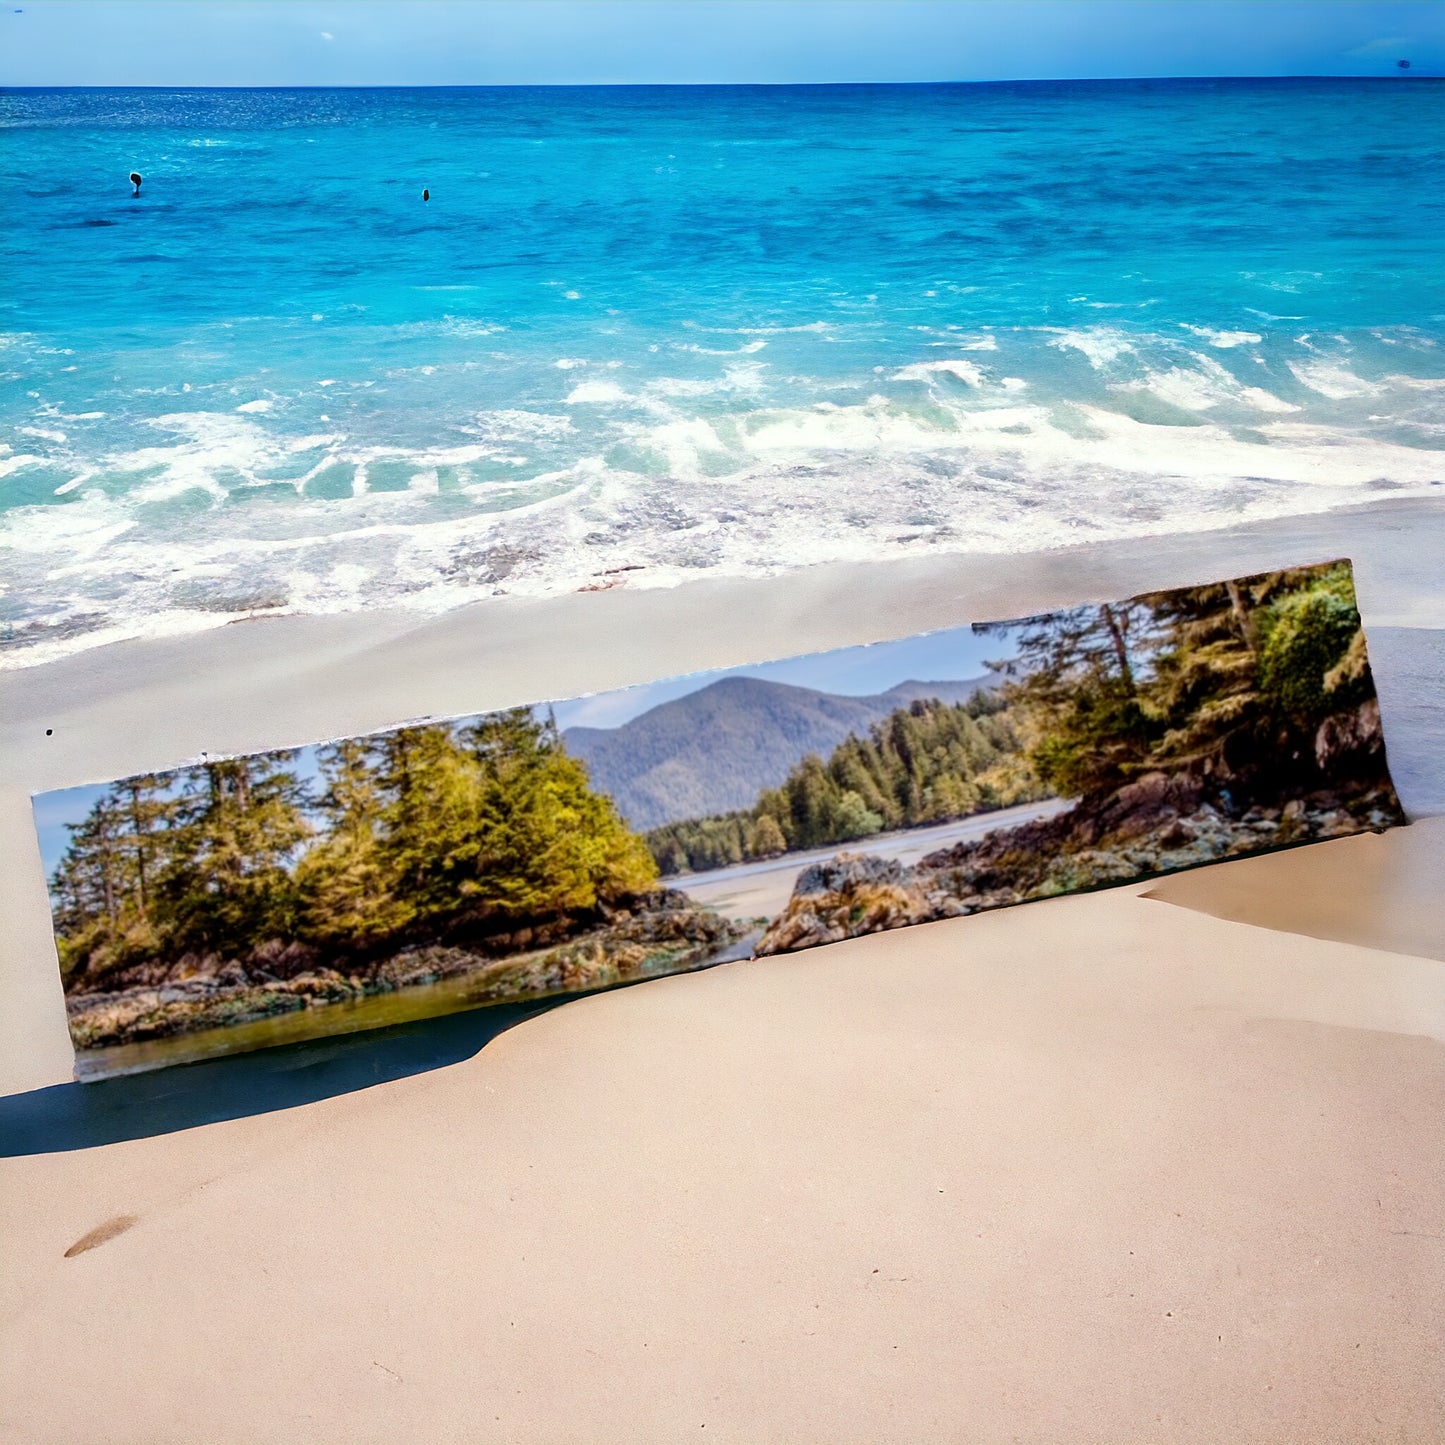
(748, 348)
(1224, 339)
(737, 469)
(928, 370)
(595, 393)
(514, 424)
(1203, 385)
(1332, 379)
(1100, 344)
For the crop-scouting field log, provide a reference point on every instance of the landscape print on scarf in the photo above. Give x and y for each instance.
(569, 847)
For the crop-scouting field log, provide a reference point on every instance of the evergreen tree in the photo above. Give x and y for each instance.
(1246, 668)
(228, 883)
(88, 891)
(768, 839)
(1072, 680)
(430, 820)
(547, 844)
(347, 889)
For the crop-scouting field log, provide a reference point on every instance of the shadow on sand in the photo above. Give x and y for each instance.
(137, 1106)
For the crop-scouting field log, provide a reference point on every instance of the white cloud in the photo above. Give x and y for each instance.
(1386, 45)
(327, 35)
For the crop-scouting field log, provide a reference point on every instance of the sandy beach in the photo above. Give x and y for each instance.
(760, 889)
(1158, 1163)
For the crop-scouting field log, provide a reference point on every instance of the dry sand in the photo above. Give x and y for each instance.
(1382, 890)
(1093, 1170)
(1096, 1169)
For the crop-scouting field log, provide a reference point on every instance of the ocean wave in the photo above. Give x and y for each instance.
(965, 371)
(1102, 345)
(1224, 339)
(713, 462)
(746, 494)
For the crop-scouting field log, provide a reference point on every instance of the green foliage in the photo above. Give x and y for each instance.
(1224, 680)
(926, 763)
(768, 838)
(1074, 684)
(413, 834)
(236, 831)
(1303, 636)
(547, 843)
(345, 880)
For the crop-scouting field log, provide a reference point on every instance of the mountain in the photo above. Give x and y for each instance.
(717, 748)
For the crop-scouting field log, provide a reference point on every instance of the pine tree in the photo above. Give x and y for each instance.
(228, 884)
(547, 844)
(347, 890)
(1072, 681)
(88, 891)
(430, 819)
(768, 839)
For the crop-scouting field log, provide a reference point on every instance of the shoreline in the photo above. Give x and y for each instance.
(536, 649)
(60, 643)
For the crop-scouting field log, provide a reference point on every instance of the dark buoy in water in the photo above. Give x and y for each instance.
(426, 195)
(135, 181)
(1403, 64)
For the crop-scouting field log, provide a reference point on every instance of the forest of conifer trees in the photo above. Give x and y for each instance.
(1182, 726)
(429, 832)
(1231, 681)
(930, 762)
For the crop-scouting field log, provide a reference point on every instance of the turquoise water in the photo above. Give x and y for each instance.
(681, 331)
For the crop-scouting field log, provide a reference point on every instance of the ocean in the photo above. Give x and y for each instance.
(638, 335)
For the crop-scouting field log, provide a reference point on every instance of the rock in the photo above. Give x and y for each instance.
(1151, 801)
(1155, 824)
(1343, 738)
(853, 894)
(849, 870)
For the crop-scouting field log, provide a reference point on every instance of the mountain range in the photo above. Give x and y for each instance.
(716, 749)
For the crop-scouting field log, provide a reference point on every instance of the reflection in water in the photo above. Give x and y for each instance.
(406, 1005)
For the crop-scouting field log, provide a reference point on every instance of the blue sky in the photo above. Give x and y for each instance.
(949, 655)
(953, 654)
(496, 42)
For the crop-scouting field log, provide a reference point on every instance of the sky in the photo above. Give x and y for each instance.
(188, 43)
(952, 654)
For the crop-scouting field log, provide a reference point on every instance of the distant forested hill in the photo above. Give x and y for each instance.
(926, 762)
(716, 749)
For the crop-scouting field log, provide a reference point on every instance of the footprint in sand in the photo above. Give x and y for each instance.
(102, 1232)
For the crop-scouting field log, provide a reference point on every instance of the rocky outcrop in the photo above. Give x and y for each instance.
(1155, 824)
(1344, 740)
(854, 894)
(654, 933)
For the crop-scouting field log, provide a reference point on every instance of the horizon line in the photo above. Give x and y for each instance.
(1395, 76)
